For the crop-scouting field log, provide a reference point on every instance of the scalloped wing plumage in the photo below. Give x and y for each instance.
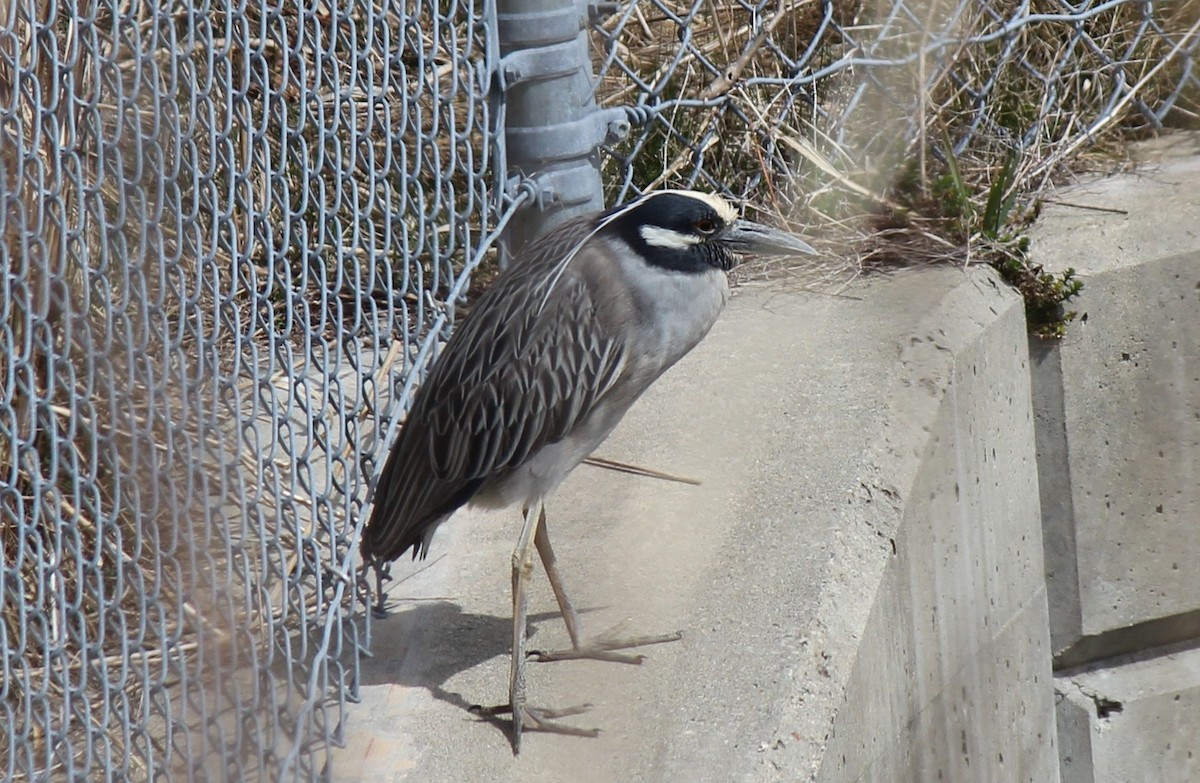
(517, 375)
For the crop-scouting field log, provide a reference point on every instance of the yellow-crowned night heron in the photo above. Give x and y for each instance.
(539, 373)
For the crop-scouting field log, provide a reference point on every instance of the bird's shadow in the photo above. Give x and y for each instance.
(426, 643)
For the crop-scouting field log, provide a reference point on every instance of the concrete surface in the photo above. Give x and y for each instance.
(1134, 721)
(953, 678)
(1118, 411)
(1128, 431)
(809, 419)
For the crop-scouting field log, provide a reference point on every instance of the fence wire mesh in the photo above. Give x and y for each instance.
(233, 235)
(824, 111)
(226, 228)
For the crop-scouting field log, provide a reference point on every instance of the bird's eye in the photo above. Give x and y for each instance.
(706, 226)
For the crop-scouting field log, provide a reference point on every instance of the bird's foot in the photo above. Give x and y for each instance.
(527, 718)
(603, 648)
(383, 573)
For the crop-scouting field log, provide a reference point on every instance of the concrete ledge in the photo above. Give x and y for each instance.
(858, 578)
(1121, 398)
(1132, 720)
(952, 679)
(1118, 405)
(1131, 436)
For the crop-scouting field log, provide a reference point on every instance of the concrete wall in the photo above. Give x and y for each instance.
(952, 679)
(1086, 449)
(1119, 427)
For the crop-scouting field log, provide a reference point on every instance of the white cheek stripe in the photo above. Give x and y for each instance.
(727, 212)
(656, 236)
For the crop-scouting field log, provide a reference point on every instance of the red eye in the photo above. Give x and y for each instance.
(706, 226)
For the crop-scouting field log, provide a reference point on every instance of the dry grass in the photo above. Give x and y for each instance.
(891, 163)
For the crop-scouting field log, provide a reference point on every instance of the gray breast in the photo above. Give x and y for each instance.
(645, 318)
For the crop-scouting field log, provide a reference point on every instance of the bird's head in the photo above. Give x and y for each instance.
(689, 231)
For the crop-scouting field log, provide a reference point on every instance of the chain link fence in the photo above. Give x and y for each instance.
(234, 234)
(832, 112)
(227, 229)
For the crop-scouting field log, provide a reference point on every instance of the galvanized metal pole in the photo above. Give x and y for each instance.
(552, 125)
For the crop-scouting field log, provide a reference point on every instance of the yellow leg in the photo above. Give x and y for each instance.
(534, 534)
(598, 649)
(522, 567)
(537, 718)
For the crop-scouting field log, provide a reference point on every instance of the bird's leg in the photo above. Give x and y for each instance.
(522, 714)
(600, 649)
(382, 574)
(522, 567)
(542, 541)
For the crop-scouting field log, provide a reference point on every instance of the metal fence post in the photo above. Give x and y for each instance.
(552, 125)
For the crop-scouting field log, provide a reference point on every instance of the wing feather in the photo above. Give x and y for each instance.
(513, 378)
